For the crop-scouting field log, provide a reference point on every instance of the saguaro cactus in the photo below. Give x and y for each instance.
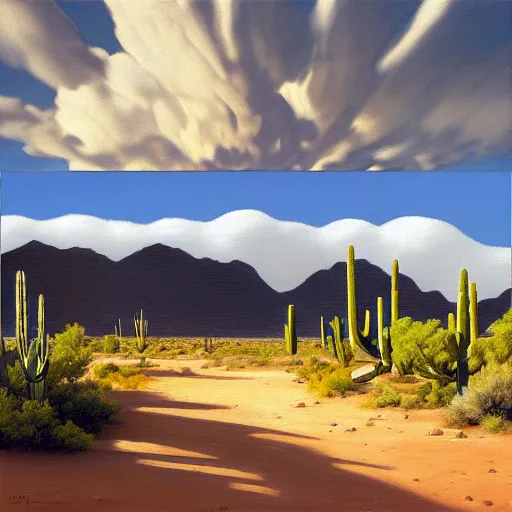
(394, 292)
(290, 331)
(384, 341)
(33, 355)
(341, 351)
(322, 332)
(141, 331)
(473, 313)
(353, 329)
(463, 332)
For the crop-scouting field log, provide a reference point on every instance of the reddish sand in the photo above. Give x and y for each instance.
(232, 441)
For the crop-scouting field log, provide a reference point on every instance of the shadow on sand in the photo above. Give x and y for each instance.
(158, 461)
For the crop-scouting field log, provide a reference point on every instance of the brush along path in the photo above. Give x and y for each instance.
(208, 440)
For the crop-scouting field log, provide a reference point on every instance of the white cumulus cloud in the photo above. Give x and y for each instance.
(234, 84)
(285, 254)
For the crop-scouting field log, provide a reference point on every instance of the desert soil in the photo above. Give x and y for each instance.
(209, 440)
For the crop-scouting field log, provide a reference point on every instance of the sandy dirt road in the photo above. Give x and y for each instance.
(212, 440)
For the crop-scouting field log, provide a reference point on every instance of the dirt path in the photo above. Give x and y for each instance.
(229, 441)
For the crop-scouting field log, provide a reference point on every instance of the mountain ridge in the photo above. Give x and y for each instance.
(187, 296)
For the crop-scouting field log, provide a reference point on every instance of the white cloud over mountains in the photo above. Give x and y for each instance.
(236, 84)
(285, 254)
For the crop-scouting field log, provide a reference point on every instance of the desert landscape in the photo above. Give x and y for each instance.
(213, 440)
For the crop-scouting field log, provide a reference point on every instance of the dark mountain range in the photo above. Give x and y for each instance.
(185, 296)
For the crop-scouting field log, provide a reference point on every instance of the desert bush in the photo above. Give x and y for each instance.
(439, 395)
(419, 346)
(489, 394)
(131, 382)
(103, 369)
(69, 356)
(84, 403)
(496, 424)
(29, 425)
(494, 349)
(111, 344)
(146, 363)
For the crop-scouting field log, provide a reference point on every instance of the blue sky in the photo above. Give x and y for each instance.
(478, 203)
(470, 36)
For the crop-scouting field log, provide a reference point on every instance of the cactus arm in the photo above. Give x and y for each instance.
(451, 322)
(366, 332)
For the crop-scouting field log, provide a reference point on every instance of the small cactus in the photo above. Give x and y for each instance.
(141, 331)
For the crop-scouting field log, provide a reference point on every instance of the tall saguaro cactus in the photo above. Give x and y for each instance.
(290, 331)
(473, 313)
(33, 355)
(353, 328)
(384, 342)
(463, 332)
(394, 292)
(141, 331)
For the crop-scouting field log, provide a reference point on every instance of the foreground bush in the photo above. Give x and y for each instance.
(84, 403)
(29, 425)
(488, 395)
(326, 379)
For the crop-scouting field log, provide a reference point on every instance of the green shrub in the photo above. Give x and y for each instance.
(29, 425)
(441, 396)
(84, 403)
(69, 356)
(489, 394)
(103, 369)
(411, 402)
(332, 383)
(128, 371)
(133, 382)
(496, 424)
(111, 344)
(496, 349)
(387, 396)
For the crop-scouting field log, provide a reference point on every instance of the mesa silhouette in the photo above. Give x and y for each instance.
(185, 296)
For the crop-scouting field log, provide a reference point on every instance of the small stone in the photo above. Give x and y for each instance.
(334, 424)
(416, 480)
(492, 471)
(370, 424)
(469, 498)
(406, 416)
(461, 435)
(299, 404)
(488, 503)
(400, 431)
(330, 430)
(298, 381)
(278, 417)
(351, 429)
(317, 402)
(435, 432)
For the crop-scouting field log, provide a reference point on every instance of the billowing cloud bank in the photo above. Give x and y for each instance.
(285, 254)
(234, 84)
